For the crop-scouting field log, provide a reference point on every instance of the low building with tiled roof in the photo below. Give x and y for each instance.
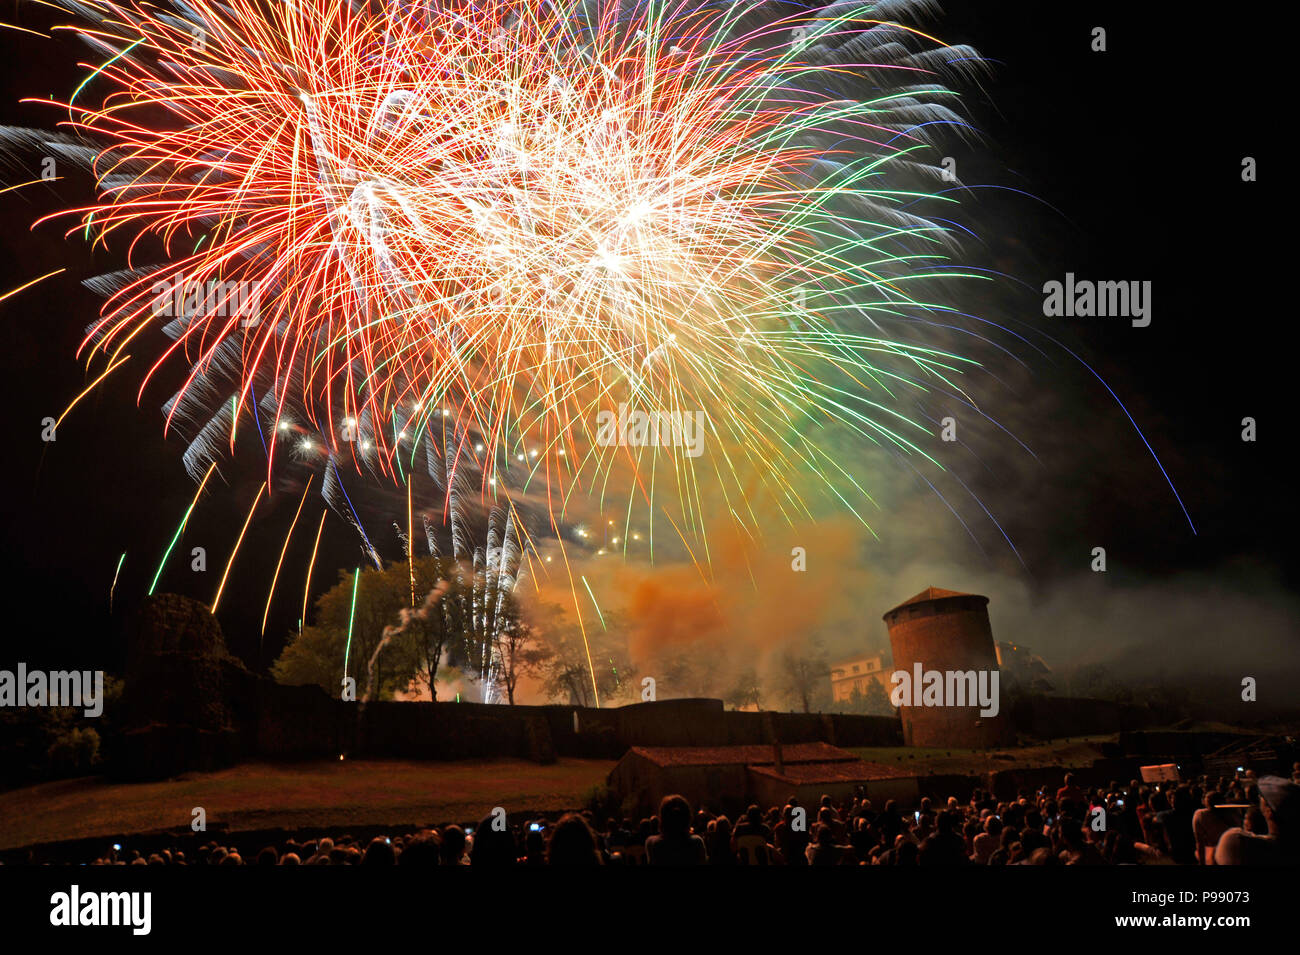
(727, 778)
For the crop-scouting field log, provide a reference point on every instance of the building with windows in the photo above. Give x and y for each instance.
(854, 675)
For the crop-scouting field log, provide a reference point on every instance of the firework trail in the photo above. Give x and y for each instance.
(471, 600)
(116, 573)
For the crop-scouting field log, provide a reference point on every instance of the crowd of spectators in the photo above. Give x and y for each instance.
(1239, 821)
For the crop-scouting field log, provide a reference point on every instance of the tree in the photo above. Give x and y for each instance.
(402, 643)
(567, 674)
(803, 677)
(873, 701)
(693, 671)
(746, 690)
(375, 617)
(433, 629)
(519, 654)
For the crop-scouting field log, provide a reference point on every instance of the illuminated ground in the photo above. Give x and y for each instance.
(394, 792)
(264, 796)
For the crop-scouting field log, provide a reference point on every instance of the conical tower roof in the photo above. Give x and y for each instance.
(929, 595)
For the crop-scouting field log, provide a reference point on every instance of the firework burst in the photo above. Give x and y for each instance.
(484, 230)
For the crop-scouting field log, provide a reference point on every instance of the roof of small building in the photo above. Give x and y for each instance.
(837, 772)
(749, 755)
(860, 658)
(928, 594)
(801, 762)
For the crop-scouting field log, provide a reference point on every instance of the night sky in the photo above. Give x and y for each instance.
(1134, 158)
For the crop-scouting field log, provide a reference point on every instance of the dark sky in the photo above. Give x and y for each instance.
(1138, 148)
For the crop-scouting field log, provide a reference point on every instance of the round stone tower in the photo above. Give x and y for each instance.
(947, 632)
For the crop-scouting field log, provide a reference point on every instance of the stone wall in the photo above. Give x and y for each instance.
(189, 705)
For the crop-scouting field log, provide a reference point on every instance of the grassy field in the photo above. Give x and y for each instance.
(391, 792)
(327, 793)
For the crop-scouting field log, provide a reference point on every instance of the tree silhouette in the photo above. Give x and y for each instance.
(566, 671)
(392, 643)
(746, 691)
(804, 677)
(873, 701)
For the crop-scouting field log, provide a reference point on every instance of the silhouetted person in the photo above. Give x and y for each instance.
(572, 843)
(1177, 823)
(719, 842)
(424, 849)
(826, 852)
(1070, 798)
(905, 852)
(988, 841)
(791, 841)
(1076, 850)
(752, 838)
(492, 846)
(379, 852)
(534, 848)
(676, 844)
(944, 846)
(1208, 826)
(453, 846)
(1280, 804)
